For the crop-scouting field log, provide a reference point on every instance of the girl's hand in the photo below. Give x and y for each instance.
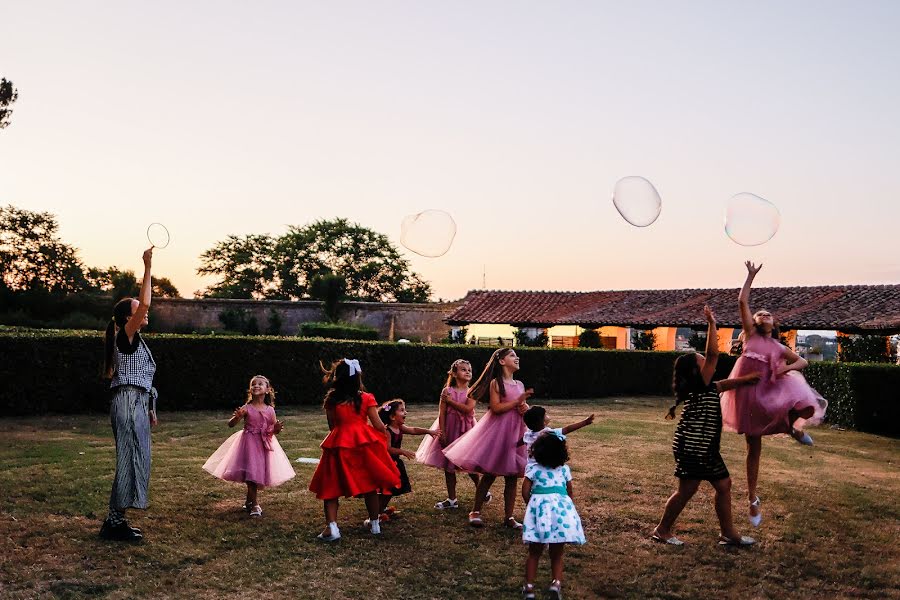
(782, 370)
(279, 425)
(434, 432)
(710, 315)
(153, 421)
(239, 412)
(443, 438)
(523, 408)
(409, 455)
(526, 395)
(752, 269)
(751, 378)
(148, 257)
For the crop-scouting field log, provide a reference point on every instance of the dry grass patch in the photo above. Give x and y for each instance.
(831, 519)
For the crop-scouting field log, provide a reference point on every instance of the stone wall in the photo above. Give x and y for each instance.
(416, 322)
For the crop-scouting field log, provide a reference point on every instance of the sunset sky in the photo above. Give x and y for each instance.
(517, 118)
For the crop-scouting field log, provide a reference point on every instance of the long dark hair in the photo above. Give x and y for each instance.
(120, 316)
(492, 372)
(686, 380)
(342, 387)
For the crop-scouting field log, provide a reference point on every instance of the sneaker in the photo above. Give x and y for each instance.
(475, 519)
(256, 511)
(119, 533)
(375, 527)
(512, 523)
(554, 592)
(802, 437)
(528, 592)
(333, 535)
(448, 503)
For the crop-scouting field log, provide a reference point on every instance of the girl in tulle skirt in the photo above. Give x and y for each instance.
(492, 446)
(782, 402)
(253, 455)
(456, 416)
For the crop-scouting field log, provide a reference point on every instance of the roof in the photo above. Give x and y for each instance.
(848, 308)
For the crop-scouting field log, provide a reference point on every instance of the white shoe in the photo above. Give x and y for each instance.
(755, 520)
(488, 497)
(334, 534)
(802, 437)
(256, 511)
(375, 526)
(448, 503)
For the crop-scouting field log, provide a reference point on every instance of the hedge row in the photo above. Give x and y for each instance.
(59, 372)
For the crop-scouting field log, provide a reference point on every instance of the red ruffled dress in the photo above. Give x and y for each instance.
(355, 458)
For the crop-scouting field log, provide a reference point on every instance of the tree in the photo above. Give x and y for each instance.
(32, 255)
(124, 284)
(589, 338)
(367, 260)
(8, 95)
(643, 340)
(330, 289)
(245, 264)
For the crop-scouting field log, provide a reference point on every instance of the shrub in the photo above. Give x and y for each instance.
(521, 339)
(589, 338)
(865, 349)
(643, 340)
(338, 331)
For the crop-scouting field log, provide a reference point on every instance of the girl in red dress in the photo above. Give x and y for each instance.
(355, 459)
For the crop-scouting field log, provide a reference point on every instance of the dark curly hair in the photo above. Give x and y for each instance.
(550, 451)
(534, 418)
(387, 410)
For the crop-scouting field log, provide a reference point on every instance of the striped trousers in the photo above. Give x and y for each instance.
(131, 430)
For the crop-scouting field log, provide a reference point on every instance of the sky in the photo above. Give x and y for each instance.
(517, 118)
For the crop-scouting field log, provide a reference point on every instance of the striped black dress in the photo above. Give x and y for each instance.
(697, 438)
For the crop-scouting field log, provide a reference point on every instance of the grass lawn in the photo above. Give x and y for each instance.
(831, 524)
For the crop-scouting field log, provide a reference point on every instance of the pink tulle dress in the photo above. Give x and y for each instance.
(456, 423)
(762, 409)
(252, 454)
(492, 446)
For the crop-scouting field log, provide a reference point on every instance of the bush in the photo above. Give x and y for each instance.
(643, 340)
(865, 349)
(60, 372)
(522, 339)
(589, 338)
(236, 320)
(337, 331)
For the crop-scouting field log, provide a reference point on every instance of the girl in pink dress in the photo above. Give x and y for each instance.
(456, 416)
(492, 446)
(782, 402)
(253, 455)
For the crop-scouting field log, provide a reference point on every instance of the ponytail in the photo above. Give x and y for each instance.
(120, 316)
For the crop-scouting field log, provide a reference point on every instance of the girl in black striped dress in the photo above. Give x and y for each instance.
(697, 436)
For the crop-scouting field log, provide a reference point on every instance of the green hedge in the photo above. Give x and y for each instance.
(337, 331)
(54, 371)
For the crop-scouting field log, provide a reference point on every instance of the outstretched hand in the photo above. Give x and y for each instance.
(148, 257)
(752, 269)
(709, 314)
(239, 412)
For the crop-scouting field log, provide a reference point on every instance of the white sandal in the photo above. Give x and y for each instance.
(755, 520)
(448, 503)
(256, 511)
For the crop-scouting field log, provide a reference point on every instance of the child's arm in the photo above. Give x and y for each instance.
(499, 406)
(375, 420)
(401, 452)
(569, 490)
(442, 420)
(712, 347)
(576, 426)
(420, 431)
(724, 385)
(744, 299)
(466, 408)
(526, 490)
(795, 362)
(329, 415)
(237, 415)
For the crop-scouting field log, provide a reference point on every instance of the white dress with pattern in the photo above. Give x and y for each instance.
(551, 518)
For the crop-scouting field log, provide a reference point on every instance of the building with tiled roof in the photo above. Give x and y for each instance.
(872, 309)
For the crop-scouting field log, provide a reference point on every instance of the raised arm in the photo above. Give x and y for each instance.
(137, 317)
(744, 299)
(419, 431)
(712, 347)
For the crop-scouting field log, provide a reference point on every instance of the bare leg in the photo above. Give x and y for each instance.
(252, 489)
(531, 563)
(373, 504)
(383, 501)
(556, 561)
(331, 512)
(806, 413)
(484, 486)
(754, 450)
(450, 480)
(474, 478)
(510, 486)
(675, 504)
(723, 508)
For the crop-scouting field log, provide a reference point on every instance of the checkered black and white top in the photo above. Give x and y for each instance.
(134, 363)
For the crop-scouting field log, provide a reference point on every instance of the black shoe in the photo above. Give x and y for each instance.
(119, 533)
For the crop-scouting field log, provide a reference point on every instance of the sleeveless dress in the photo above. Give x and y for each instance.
(252, 454)
(404, 487)
(762, 409)
(430, 451)
(355, 459)
(492, 446)
(550, 517)
(697, 438)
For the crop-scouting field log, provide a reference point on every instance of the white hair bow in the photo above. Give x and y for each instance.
(354, 366)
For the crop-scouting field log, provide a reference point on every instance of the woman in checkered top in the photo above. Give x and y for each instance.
(130, 367)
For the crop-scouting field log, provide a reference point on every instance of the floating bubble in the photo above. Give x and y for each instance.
(637, 200)
(751, 220)
(158, 235)
(428, 233)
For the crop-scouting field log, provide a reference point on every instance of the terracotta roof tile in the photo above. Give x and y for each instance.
(851, 308)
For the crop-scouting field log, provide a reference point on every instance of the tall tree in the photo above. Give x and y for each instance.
(8, 95)
(245, 264)
(31, 253)
(367, 261)
(122, 284)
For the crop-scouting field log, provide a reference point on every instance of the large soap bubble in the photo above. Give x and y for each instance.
(751, 220)
(428, 233)
(637, 200)
(158, 235)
